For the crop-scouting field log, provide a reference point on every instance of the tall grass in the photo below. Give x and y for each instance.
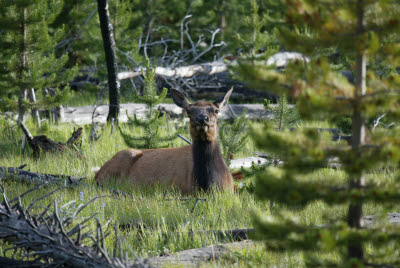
(154, 221)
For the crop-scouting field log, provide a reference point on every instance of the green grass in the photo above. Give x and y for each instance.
(155, 221)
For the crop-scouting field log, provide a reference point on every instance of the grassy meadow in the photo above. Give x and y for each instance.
(154, 221)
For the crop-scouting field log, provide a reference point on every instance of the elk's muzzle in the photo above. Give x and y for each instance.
(202, 119)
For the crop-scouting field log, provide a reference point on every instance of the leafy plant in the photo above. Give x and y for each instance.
(153, 121)
(233, 136)
(284, 116)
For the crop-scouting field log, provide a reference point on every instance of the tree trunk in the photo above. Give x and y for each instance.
(222, 18)
(21, 67)
(111, 59)
(35, 111)
(358, 137)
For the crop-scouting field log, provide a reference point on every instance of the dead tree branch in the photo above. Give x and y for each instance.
(47, 238)
(43, 144)
(37, 178)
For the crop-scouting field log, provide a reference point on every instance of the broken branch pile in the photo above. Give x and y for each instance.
(47, 238)
(43, 144)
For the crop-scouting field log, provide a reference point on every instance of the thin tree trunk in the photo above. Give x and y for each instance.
(35, 112)
(358, 138)
(21, 67)
(282, 111)
(222, 17)
(111, 58)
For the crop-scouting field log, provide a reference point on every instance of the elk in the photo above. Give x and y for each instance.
(196, 166)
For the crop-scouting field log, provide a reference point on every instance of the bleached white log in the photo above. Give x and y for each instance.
(83, 115)
(183, 71)
(391, 217)
(280, 59)
(246, 162)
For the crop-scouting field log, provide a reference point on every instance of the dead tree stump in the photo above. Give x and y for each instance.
(43, 144)
(75, 137)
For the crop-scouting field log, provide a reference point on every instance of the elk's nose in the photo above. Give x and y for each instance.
(202, 119)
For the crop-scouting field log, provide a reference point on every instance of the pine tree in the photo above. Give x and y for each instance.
(256, 37)
(284, 116)
(153, 121)
(233, 136)
(27, 56)
(83, 39)
(363, 31)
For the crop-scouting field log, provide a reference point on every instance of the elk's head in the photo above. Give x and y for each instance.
(203, 115)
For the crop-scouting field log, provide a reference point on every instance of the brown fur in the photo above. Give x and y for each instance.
(197, 165)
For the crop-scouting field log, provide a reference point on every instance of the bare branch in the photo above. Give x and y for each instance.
(49, 241)
(211, 46)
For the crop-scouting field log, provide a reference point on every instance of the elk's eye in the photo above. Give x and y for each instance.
(216, 111)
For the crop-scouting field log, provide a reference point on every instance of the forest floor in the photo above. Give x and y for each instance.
(151, 218)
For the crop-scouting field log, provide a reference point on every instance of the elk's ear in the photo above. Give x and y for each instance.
(179, 99)
(223, 100)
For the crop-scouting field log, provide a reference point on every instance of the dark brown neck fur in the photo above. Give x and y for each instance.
(209, 166)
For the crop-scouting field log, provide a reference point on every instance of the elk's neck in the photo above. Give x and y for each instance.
(209, 166)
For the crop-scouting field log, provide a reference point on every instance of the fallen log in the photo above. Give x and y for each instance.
(43, 144)
(280, 60)
(391, 218)
(13, 263)
(214, 67)
(203, 80)
(214, 252)
(98, 114)
(37, 178)
(40, 179)
(247, 162)
(236, 234)
(194, 257)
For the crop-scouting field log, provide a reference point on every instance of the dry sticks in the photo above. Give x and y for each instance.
(48, 239)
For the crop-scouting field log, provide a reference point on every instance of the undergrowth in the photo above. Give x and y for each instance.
(157, 220)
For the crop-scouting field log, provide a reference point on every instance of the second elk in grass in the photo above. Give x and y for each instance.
(199, 165)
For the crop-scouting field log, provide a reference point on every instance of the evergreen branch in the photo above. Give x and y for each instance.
(142, 122)
(161, 97)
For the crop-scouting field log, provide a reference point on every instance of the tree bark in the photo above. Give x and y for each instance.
(222, 18)
(111, 59)
(21, 67)
(355, 213)
(35, 111)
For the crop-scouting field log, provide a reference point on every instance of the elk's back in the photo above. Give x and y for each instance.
(167, 166)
